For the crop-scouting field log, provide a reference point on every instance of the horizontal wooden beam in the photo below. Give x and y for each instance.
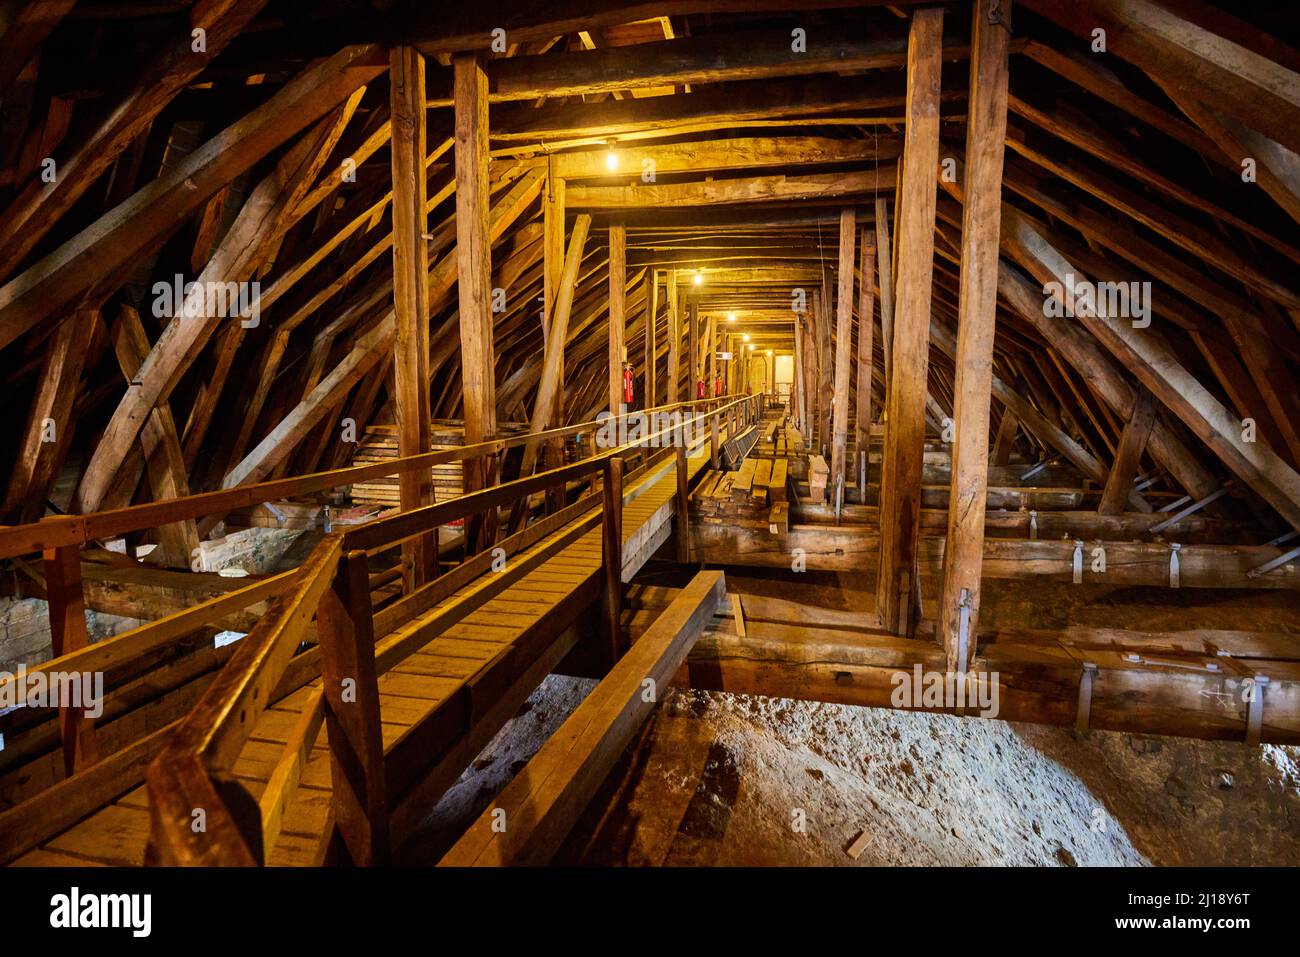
(1187, 694)
(754, 189)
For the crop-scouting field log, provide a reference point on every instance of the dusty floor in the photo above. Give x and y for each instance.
(721, 779)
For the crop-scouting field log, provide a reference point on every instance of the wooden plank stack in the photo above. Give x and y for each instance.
(379, 444)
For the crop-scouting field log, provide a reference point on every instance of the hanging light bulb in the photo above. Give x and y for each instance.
(731, 317)
(745, 337)
(611, 158)
(699, 278)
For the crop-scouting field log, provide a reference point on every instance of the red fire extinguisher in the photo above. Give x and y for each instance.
(717, 385)
(627, 384)
(699, 390)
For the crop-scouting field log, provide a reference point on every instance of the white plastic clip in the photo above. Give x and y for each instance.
(1033, 524)
(1078, 561)
(1173, 564)
(963, 631)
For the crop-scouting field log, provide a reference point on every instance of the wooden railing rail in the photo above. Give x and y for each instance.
(62, 531)
(192, 774)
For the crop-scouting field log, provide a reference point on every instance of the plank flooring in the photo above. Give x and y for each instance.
(117, 834)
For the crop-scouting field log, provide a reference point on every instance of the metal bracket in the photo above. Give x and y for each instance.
(1034, 470)
(963, 630)
(1033, 524)
(997, 17)
(1260, 570)
(1084, 712)
(1174, 549)
(1194, 507)
(1255, 710)
(328, 519)
(279, 515)
(1078, 561)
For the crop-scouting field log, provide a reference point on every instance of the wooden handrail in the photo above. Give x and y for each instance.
(65, 530)
(386, 532)
(332, 586)
(197, 760)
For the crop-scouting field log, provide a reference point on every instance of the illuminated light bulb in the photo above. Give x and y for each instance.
(746, 337)
(611, 159)
(699, 278)
(731, 317)
(769, 352)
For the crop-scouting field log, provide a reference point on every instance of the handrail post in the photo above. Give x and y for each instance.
(67, 607)
(612, 555)
(553, 458)
(713, 441)
(683, 504)
(345, 630)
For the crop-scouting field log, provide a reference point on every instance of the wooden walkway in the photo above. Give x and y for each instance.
(507, 646)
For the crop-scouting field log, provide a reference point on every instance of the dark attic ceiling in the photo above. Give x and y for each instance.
(1126, 163)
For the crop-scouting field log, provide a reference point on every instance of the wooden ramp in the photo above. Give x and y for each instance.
(438, 706)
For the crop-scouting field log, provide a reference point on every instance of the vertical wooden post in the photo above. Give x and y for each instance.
(866, 331)
(67, 606)
(711, 352)
(843, 350)
(825, 368)
(345, 628)
(612, 555)
(651, 308)
(683, 506)
(474, 280)
(900, 495)
(410, 296)
(976, 311)
(810, 380)
(693, 340)
(674, 391)
(885, 255)
(797, 387)
(552, 271)
(714, 426)
(617, 313)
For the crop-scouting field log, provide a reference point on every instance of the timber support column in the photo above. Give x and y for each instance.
(843, 354)
(900, 483)
(67, 604)
(866, 331)
(411, 299)
(552, 272)
(651, 307)
(693, 344)
(617, 313)
(474, 282)
(976, 309)
(673, 394)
